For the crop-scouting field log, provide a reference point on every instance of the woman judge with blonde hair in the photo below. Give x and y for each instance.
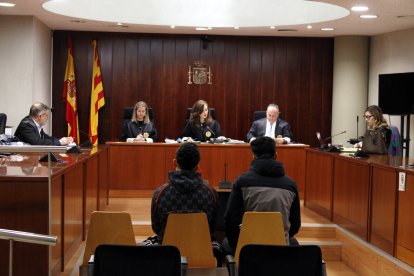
(140, 128)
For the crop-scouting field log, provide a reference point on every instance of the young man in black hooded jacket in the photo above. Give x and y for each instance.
(264, 188)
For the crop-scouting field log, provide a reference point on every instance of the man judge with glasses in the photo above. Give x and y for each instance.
(30, 129)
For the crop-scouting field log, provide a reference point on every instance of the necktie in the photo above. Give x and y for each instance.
(42, 133)
(269, 132)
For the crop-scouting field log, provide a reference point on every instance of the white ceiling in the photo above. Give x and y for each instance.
(253, 17)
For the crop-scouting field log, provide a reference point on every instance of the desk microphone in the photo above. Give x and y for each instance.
(330, 148)
(76, 148)
(87, 143)
(357, 126)
(327, 138)
(224, 184)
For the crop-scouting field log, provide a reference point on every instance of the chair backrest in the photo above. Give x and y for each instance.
(3, 121)
(211, 110)
(395, 147)
(190, 233)
(261, 228)
(260, 260)
(259, 115)
(130, 109)
(127, 260)
(108, 228)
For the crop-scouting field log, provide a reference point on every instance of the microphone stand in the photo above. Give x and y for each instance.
(224, 184)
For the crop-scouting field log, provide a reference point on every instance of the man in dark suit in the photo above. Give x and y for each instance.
(30, 128)
(271, 126)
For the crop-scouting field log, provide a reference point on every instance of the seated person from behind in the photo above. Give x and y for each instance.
(30, 128)
(184, 192)
(271, 126)
(201, 126)
(264, 188)
(140, 127)
(378, 134)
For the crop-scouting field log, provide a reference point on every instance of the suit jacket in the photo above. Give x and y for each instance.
(259, 129)
(132, 129)
(27, 132)
(199, 133)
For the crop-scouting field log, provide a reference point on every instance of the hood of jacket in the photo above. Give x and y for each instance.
(185, 181)
(267, 167)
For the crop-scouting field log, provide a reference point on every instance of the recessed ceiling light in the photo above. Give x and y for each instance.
(368, 16)
(359, 8)
(5, 4)
(172, 27)
(201, 29)
(327, 29)
(309, 27)
(405, 16)
(77, 21)
(287, 30)
(272, 27)
(210, 28)
(236, 28)
(119, 24)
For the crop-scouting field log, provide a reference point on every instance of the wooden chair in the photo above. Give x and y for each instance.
(108, 228)
(190, 233)
(261, 228)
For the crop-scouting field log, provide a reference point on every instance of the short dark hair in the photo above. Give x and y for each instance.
(187, 156)
(263, 147)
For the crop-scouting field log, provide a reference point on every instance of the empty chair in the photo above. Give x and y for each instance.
(257, 115)
(261, 228)
(108, 228)
(190, 233)
(294, 260)
(110, 260)
(3, 121)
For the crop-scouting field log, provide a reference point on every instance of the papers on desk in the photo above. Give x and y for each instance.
(233, 141)
(349, 150)
(295, 144)
(170, 141)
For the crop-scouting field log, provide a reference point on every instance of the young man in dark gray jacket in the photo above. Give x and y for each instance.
(264, 188)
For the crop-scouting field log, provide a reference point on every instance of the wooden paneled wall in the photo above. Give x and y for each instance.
(248, 73)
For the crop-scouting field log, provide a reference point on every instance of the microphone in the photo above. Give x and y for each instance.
(76, 148)
(87, 143)
(327, 138)
(224, 184)
(330, 148)
(357, 125)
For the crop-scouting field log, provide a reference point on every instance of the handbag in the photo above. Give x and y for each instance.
(374, 142)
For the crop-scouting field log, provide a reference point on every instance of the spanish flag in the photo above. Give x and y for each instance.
(97, 96)
(69, 96)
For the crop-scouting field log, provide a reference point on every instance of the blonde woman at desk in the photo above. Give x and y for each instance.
(378, 134)
(139, 128)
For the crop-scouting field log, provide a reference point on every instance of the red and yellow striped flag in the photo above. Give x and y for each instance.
(69, 96)
(97, 96)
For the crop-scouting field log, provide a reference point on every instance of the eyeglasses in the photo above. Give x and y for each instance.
(367, 117)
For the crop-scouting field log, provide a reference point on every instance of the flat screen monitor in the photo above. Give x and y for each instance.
(396, 93)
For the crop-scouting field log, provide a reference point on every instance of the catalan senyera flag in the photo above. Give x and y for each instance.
(69, 96)
(97, 96)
